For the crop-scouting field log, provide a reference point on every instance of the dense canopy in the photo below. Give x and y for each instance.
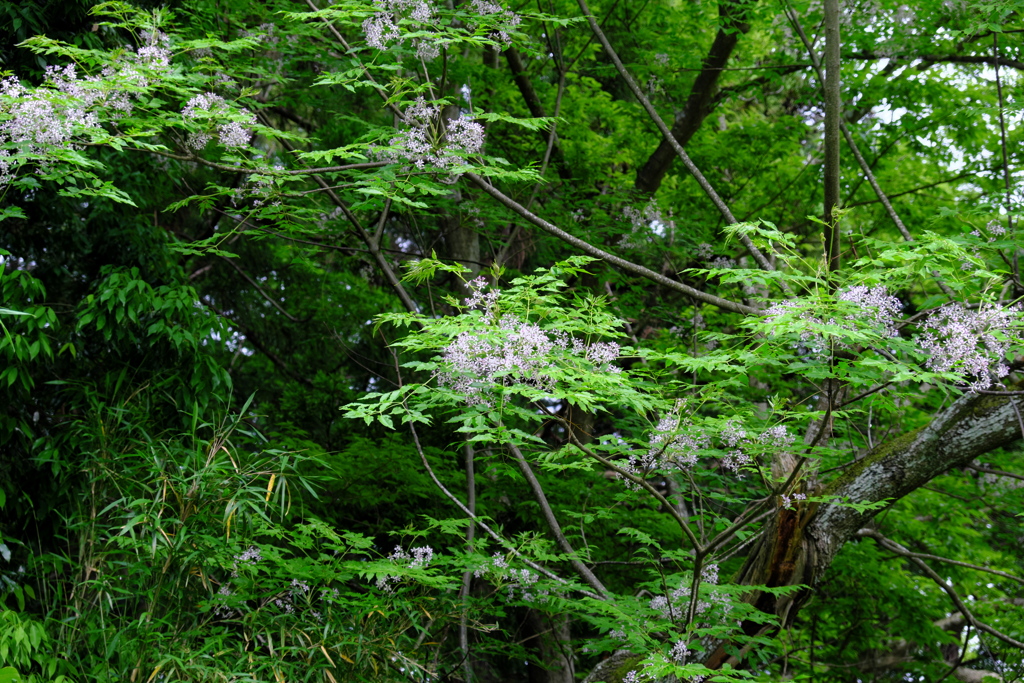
(426, 340)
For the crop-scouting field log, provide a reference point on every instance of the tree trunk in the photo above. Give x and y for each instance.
(798, 545)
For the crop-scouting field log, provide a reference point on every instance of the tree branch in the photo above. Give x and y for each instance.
(701, 100)
(483, 525)
(1000, 473)
(929, 60)
(851, 143)
(972, 426)
(604, 255)
(533, 103)
(556, 529)
(913, 557)
(897, 548)
(680, 152)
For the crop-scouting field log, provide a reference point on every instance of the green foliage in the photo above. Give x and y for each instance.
(192, 285)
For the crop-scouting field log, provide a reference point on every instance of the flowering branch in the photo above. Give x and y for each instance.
(695, 544)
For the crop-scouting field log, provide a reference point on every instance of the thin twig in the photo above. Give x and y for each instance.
(695, 544)
(1000, 473)
(1006, 162)
(896, 547)
(852, 144)
(483, 525)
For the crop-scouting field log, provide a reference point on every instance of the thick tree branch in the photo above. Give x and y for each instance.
(533, 103)
(833, 114)
(972, 426)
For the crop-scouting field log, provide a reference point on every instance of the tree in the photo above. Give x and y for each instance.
(678, 412)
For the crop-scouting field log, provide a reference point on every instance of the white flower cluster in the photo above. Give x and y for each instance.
(511, 351)
(679, 652)
(971, 343)
(416, 558)
(429, 141)
(208, 106)
(35, 120)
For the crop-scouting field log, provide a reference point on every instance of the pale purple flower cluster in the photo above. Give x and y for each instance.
(250, 556)
(672, 445)
(36, 120)
(645, 223)
(428, 141)
(787, 500)
(481, 298)
(734, 460)
(676, 445)
(880, 308)
(705, 252)
(520, 353)
(209, 106)
(223, 611)
(498, 565)
(971, 343)
(520, 581)
(878, 311)
(382, 28)
(777, 437)
(416, 558)
(506, 20)
(507, 350)
(674, 605)
(679, 652)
